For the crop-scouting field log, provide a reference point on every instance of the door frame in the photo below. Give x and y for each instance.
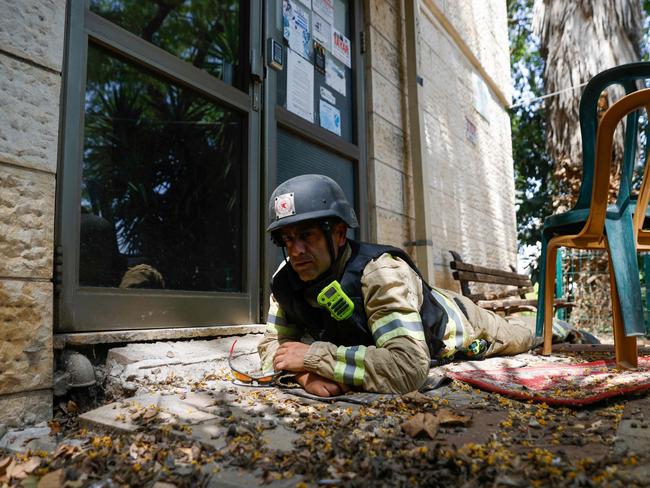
(91, 309)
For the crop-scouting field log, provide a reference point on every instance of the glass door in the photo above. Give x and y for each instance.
(158, 219)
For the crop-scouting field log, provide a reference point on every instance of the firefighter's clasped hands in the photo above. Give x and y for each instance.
(290, 356)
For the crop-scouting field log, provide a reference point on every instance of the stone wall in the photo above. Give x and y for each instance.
(389, 174)
(31, 54)
(464, 63)
(482, 25)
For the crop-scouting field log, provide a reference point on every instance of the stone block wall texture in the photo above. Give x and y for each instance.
(469, 154)
(483, 27)
(389, 173)
(31, 56)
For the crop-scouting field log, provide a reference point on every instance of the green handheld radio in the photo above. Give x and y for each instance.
(477, 348)
(334, 299)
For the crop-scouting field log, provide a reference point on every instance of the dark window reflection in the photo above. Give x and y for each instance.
(161, 197)
(205, 33)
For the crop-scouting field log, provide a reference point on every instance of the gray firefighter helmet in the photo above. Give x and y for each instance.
(308, 197)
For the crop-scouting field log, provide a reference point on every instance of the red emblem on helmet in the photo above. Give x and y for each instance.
(284, 206)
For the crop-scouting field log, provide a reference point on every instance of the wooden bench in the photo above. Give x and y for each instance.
(511, 299)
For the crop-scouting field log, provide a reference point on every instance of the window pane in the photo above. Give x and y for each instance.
(161, 195)
(206, 33)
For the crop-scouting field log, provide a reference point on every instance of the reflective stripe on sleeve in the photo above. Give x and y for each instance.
(281, 330)
(350, 368)
(455, 334)
(277, 323)
(276, 314)
(397, 324)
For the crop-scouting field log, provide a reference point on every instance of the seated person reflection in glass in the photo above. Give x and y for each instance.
(142, 276)
(101, 263)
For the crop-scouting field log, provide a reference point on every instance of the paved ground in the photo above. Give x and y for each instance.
(186, 424)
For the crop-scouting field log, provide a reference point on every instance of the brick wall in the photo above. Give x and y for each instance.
(31, 53)
(463, 49)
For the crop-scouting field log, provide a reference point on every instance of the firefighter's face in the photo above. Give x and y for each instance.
(307, 248)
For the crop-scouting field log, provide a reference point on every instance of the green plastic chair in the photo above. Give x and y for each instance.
(618, 227)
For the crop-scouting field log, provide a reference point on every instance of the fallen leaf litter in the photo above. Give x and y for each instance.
(402, 441)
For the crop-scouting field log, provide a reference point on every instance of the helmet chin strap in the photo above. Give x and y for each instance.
(326, 227)
(284, 252)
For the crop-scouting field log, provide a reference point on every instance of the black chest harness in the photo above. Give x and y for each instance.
(289, 291)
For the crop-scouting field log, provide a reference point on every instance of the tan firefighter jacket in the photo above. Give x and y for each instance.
(399, 361)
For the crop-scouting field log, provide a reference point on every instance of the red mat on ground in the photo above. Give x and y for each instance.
(561, 384)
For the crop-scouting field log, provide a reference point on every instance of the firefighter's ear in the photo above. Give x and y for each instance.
(338, 234)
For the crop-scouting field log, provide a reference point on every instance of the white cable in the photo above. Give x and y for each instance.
(531, 100)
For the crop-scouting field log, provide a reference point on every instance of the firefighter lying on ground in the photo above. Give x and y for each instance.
(375, 324)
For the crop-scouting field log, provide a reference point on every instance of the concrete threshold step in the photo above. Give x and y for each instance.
(64, 340)
(140, 367)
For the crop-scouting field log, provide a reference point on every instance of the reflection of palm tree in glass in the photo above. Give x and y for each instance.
(162, 164)
(205, 33)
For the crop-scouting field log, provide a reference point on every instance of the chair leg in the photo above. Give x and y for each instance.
(541, 289)
(624, 347)
(549, 293)
(621, 248)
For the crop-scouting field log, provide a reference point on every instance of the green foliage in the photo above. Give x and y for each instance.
(533, 166)
(202, 32)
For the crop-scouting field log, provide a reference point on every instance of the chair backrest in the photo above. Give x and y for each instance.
(603, 158)
(626, 75)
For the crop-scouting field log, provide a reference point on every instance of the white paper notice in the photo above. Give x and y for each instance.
(322, 32)
(324, 8)
(327, 95)
(300, 86)
(296, 27)
(335, 74)
(341, 48)
(330, 118)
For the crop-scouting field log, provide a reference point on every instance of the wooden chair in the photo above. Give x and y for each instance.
(606, 227)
